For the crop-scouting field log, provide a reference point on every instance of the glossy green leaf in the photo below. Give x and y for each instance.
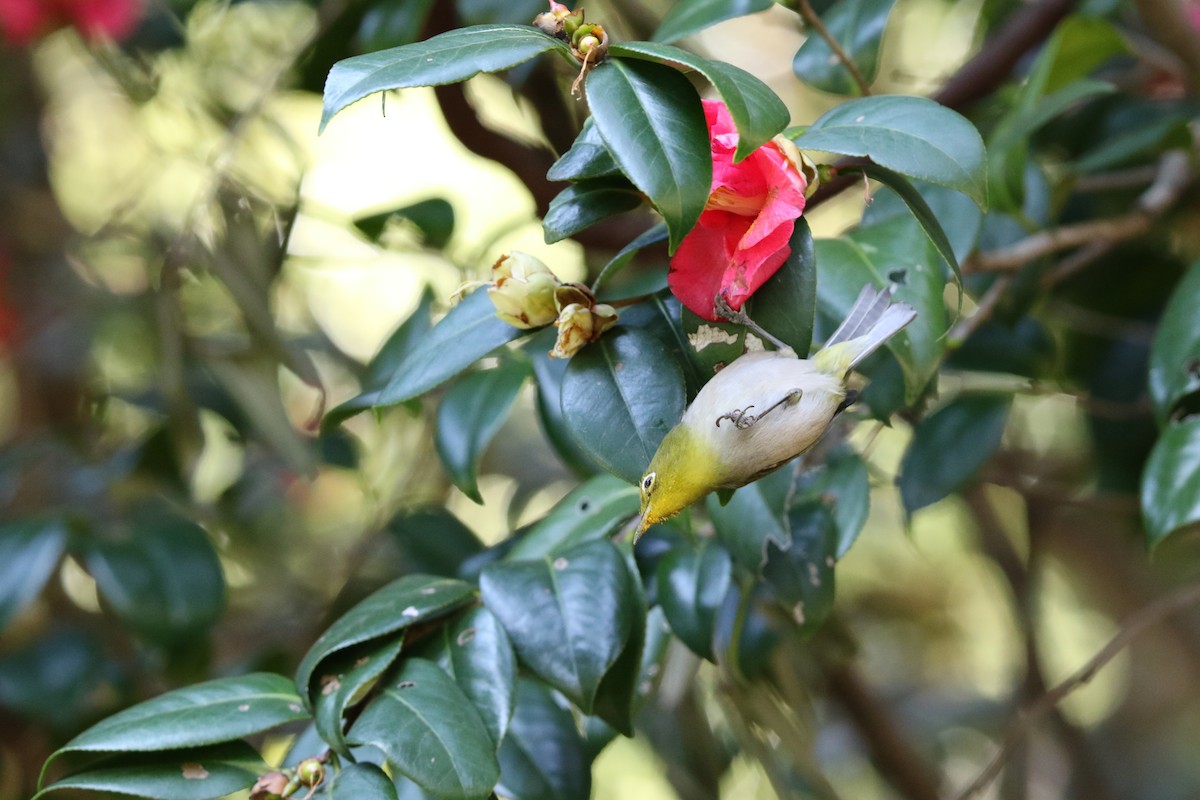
(653, 124)
(570, 617)
(692, 583)
(200, 774)
(857, 25)
(688, 17)
(433, 541)
(471, 414)
(958, 217)
(1175, 356)
(1171, 482)
(786, 305)
(747, 629)
(904, 189)
(466, 334)
(618, 694)
(752, 517)
(447, 58)
(434, 218)
(548, 374)
(390, 23)
(543, 756)
(756, 110)
(651, 236)
(396, 606)
(343, 679)
(430, 731)
(588, 157)
(620, 397)
(711, 345)
(479, 12)
(383, 366)
(949, 447)
(1077, 47)
(362, 782)
(911, 135)
(206, 713)
(583, 204)
(659, 315)
(163, 579)
(800, 575)
(842, 483)
(895, 253)
(476, 652)
(29, 553)
(594, 510)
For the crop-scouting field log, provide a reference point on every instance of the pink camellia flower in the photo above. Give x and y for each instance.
(743, 232)
(22, 21)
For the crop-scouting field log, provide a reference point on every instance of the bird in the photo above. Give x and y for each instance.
(762, 410)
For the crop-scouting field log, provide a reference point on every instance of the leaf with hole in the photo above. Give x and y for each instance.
(591, 511)
(342, 680)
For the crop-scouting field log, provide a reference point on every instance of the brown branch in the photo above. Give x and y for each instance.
(1174, 176)
(890, 747)
(983, 312)
(813, 20)
(1134, 626)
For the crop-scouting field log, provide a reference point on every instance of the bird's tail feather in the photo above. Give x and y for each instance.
(873, 319)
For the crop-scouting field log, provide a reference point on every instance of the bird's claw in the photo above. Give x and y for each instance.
(743, 420)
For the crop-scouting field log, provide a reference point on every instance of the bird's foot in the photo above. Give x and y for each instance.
(743, 420)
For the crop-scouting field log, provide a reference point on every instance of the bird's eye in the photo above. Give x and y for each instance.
(648, 482)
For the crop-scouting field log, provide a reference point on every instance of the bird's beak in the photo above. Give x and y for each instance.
(644, 521)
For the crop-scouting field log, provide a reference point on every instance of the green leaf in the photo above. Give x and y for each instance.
(543, 756)
(1171, 482)
(594, 510)
(618, 693)
(570, 617)
(29, 553)
(1175, 356)
(857, 25)
(659, 315)
(842, 482)
(1078, 46)
(201, 774)
(216, 711)
(396, 606)
(434, 218)
(362, 782)
(583, 204)
(801, 574)
(469, 416)
(549, 374)
(747, 629)
(895, 253)
(620, 397)
(447, 58)
(688, 17)
(429, 731)
(692, 583)
(164, 579)
(388, 23)
(753, 517)
(433, 541)
(383, 366)
(756, 110)
(476, 652)
(653, 124)
(786, 305)
(904, 189)
(911, 135)
(55, 679)
(654, 235)
(959, 218)
(466, 334)
(588, 157)
(949, 447)
(345, 676)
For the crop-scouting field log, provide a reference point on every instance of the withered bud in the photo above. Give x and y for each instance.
(800, 160)
(579, 324)
(523, 291)
(270, 786)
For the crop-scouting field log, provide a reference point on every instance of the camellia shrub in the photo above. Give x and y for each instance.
(991, 201)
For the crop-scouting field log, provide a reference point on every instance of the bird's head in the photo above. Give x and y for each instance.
(684, 469)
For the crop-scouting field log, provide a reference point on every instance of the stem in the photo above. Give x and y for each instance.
(812, 19)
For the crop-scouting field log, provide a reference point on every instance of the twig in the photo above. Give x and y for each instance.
(983, 311)
(813, 20)
(1147, 617)
(1174, 175)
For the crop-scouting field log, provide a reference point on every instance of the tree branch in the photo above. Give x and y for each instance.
(1134, 626)
(813, 20)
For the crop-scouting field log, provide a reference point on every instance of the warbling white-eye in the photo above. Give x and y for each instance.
(763, 410)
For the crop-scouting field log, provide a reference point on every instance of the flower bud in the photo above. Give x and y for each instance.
(579, 324)
(800, 160)
(573, 293)
(523, 291)
(270, 786)
(311, 772)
